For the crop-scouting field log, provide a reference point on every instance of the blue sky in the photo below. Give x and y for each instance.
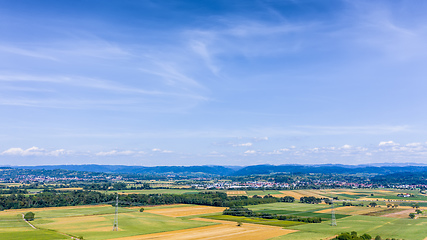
(212, 82)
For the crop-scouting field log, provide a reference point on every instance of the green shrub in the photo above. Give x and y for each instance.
(29, 216)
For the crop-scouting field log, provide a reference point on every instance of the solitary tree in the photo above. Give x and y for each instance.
(373, 204)
(29, 216)
(412, 215)
(141, 209)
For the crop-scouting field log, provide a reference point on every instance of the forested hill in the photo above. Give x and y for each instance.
(327, 168)
(236, 171)
(215, 170)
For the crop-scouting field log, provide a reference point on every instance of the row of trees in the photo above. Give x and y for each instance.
(245, 212)
(310, 200)
(352, 204)
(73, 198)
(353, 236)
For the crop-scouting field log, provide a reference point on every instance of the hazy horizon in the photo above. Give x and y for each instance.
(234, 83)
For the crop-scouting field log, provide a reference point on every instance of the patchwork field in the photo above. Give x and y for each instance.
(182, 221)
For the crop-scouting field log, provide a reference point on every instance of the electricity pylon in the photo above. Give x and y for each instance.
(333, 219)
(116, 215)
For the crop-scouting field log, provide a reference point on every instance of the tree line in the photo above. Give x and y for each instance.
(245, 212)
(53, 198)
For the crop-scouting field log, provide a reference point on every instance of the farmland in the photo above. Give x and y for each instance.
(184, 221)
(95, 222)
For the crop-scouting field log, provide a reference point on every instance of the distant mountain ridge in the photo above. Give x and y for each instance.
(216, 170)
(238, 170)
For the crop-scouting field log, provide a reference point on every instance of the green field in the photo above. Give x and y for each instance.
(12, 227)
(262, 192)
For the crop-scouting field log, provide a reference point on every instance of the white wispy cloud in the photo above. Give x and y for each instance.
(24, 52)
(170, 73)
(243, 144)
(244, 37)
(161, 150)
(78, 81)
(250, 152)
(415, 144)
(346, 146)
(338, 130)
(260, 139)
(35, 151)
(379, 26)
(201, 49)
(388, 143)
(115, 153)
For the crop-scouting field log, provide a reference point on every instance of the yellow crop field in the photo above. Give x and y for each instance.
(292, 194)
(223, 230)
(297, 194)
(236, 193)
(279, 195)
(185, 211)
(384, 191)
(309, 193)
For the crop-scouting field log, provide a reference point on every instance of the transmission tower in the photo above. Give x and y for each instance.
(333, 219)
(116, 215)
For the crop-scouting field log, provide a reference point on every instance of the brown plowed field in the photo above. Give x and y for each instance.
(401, 214)
(225, 230)
(185, 211)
